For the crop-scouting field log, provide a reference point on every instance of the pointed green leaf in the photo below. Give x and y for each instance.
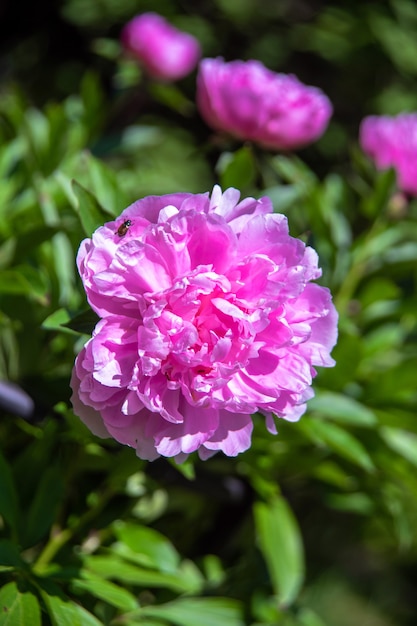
(338, 439)
(84, 322)
(238, 170)
(91, 214)
(375, 203)
(62, 611)
(107, 591)
(105, 186)
(171, 96)
(293, 170)
(358, 502)
(13, 282)
(341, 408)
(43, 508)
(118, 569)
(18, 607)
(58, 321)
(284, 197)
(401, 441)
(193, 611)
(282, 548)
(32, 238)
(307, 617)
(84, 617)
(149, 547)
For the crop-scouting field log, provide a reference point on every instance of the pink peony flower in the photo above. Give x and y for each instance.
(208, 315)
(392, 142)
(250, 102)
(164, 51)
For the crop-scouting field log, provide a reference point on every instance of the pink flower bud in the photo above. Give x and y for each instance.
(392, 142)
(250, 102)
(164, 51)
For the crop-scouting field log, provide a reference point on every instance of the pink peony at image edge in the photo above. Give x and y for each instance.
(391, 141)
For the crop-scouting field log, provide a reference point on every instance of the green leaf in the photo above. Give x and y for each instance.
(58, 321)
(338, 439)
(62, 611)
(193, 611)
(91, 213)
(84, 617)
(13, 282)
(333, 474)
(406, 252)
(186, 468)
(106, 590)
(64, 263)
(107, 48)
(37, 281)
(401, 441)
(366, 249)
(8, 495)
(379, 288)
(397, 418)
(36, 133)
(93, 98)
(398, 39)
(282, 548)
(284, 197)
(18, 607)
(148, 546)
(375, 203)
(293, 170)
(105, 187)
(84, 322)
(213, 569)
(147, 622)
(342, 409)
(238, 169)
(10, 154)
(114, 567)
(44, 506)
(171, 96)
(353, 502)
(10, 554)
(307, 617)
(31, 239)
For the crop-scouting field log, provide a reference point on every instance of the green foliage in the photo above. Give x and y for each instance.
(313, 527)
(281, 545)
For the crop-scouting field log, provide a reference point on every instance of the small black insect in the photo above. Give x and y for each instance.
(123, 228)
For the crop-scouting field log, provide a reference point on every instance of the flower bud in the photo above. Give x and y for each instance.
(165, 52)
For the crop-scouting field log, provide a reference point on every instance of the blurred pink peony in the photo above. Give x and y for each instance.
(392, 142)
(250, 102)
(164, 51)
(208, 315)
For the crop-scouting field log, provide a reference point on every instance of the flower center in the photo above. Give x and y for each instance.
(206, 336)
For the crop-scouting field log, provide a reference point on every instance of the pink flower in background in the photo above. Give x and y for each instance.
(250, 102)
(164, 51)
(392, 142)
(208, 315)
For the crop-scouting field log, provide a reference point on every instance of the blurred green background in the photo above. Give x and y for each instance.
(314, 527)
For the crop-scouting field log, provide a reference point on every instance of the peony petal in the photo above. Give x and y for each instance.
(233, 435)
